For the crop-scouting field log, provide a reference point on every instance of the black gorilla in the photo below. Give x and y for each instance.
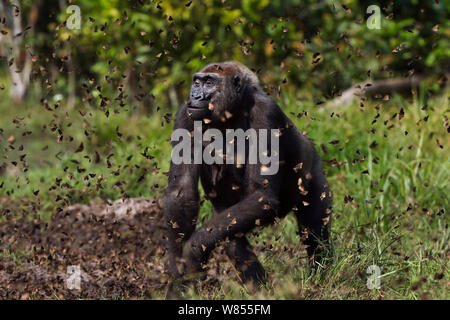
(228, 96)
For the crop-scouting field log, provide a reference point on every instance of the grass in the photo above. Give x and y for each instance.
(389, 175)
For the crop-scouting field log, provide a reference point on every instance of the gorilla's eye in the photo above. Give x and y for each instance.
(209, 82)
(197, 83)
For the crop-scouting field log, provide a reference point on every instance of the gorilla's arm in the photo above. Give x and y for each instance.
(256, 209)
(181, 201)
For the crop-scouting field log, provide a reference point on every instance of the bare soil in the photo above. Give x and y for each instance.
(118, 246)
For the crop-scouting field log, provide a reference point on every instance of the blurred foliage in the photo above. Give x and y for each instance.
(149, 49)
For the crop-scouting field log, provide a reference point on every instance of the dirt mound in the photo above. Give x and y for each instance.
(113, 250)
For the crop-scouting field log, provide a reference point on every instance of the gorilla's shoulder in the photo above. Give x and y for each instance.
(266, 109)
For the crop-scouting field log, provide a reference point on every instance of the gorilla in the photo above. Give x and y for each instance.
(226, 96)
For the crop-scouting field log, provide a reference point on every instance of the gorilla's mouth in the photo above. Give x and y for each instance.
(198, 105)
(197, 112)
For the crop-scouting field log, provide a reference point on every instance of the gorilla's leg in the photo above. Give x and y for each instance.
(245, 261)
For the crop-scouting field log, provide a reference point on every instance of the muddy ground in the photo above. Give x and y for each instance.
(119, 249)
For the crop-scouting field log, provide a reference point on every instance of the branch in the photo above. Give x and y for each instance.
(372, 87)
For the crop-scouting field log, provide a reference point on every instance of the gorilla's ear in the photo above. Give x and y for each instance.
(237, 83)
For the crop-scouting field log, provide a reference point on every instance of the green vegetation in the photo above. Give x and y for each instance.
(390, 182)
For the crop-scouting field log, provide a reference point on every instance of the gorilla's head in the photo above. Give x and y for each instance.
(218, 91)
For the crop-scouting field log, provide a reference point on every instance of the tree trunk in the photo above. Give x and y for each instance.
(19, 58)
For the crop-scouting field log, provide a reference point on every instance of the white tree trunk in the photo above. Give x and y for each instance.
(11, 43)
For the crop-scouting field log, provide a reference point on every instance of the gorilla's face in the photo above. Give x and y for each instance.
(212, 97)
(205, 87)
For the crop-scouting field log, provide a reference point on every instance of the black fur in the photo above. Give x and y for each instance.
(242, 198)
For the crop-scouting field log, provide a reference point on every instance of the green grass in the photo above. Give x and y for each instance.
(18, 256)
(389, 178)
